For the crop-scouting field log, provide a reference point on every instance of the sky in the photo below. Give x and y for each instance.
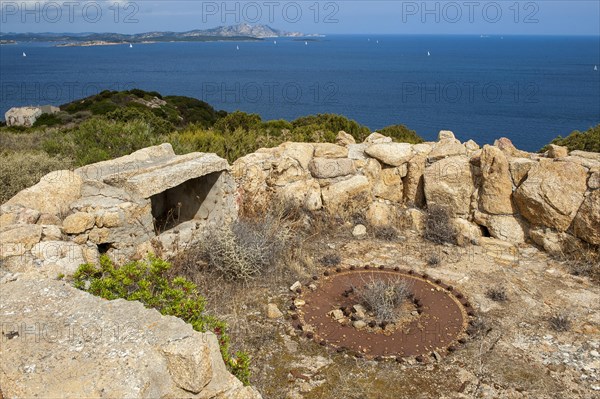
(500, 17)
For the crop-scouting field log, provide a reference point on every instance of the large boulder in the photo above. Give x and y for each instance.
(357, 151)
(554, 242)
(78, 222)
(58, 341)
(508, 148)
(377, 138)
(393, 154)
(17, 239)
(380, 214)
(389, 184)
(519, 167)
(449, 183)
(552, 193)
(496, 185)
(52, 195)
(326, 168)
(466, 232)
(328, 150)
(447, 147)
(587, 222)
(503, 227)
(301, 152)
(338, 193)
(344, 139)
(557, 151)
(414, 194)
(304, 194)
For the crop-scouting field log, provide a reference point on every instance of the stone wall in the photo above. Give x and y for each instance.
(71, 217)
(551, 199)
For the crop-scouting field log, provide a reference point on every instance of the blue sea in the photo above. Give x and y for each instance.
(529, 89)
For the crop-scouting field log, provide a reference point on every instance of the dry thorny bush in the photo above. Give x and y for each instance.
(384, 297)
(582, 260)
(438, 225)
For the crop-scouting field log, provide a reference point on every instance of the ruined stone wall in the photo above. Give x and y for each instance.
(551, 199)
(72, 217)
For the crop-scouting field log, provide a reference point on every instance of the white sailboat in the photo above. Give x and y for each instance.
(130, 45)
(24, 55)
(274, 41)
(237, 47)
(306, 43)
(428, 54)
(377, 42)
(595, 66)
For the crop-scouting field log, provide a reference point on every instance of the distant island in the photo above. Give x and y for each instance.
(241, 32)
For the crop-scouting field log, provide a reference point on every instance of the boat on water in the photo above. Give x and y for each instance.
(24, 55)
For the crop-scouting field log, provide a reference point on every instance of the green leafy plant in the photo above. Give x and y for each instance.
(583, 141)
(401, 134)
(148, 282)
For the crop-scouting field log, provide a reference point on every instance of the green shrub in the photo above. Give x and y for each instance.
(583, 141)
(401, 133)
(194, 111)
(19, 170)
(237, 120)
(159, 125)
(333, 123)
(99, 139)
(148, 282)
(48, 120)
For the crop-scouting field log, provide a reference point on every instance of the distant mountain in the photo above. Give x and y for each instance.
(236, 32)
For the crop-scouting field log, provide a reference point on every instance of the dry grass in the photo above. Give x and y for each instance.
(24, 169)
(560, 322)
(433, 260)
(585, 262)
(385, 233)
(330, 260)
(497, 294)
(246, 249)
(438, 225)
(383, 297)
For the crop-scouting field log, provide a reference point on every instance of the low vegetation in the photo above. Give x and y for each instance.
(560, 322)
(19, 170)
(497, 294)
(385, 233)
(433, 260)
(583, 141)
(115, 123)
(330, 260)
(383, 298)
(149, 282)
(247, 248)
(438, 225)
